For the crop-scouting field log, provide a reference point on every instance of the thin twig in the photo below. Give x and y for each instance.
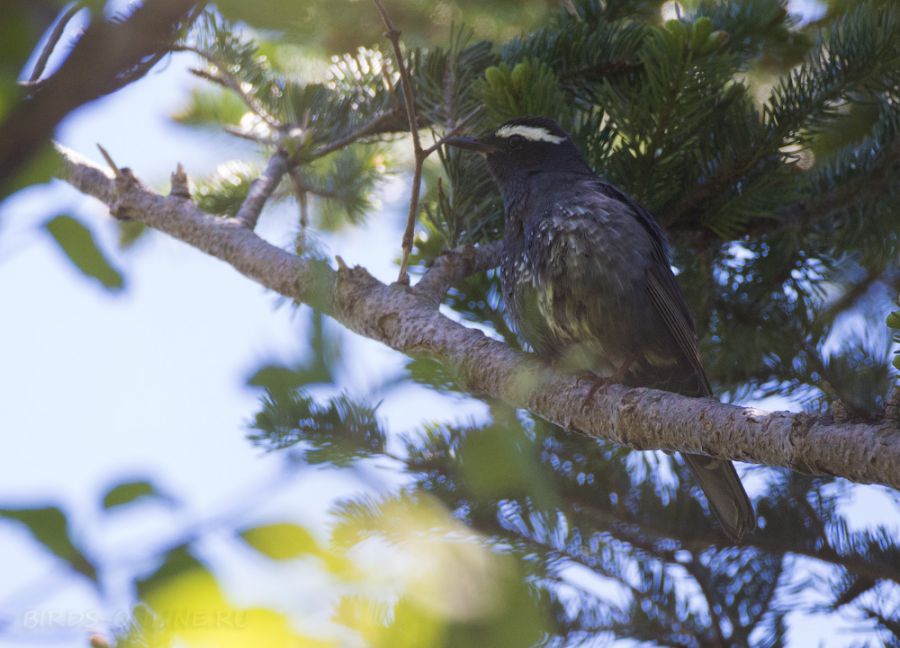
(409, 100)
(250, 136)
(262, 189)
(301, 192)
(371, 127)
(453, 131)
(53, 40)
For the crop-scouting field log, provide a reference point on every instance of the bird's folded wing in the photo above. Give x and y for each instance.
(667, 298)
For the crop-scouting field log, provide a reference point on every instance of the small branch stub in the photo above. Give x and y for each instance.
(109, 160)
(180, 185)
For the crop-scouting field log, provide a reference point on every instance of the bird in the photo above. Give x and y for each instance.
(587, 282)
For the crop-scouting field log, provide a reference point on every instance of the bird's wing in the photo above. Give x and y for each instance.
(669, 302)
(664, 291)
(718, 478)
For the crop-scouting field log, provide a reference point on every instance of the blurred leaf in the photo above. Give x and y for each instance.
(281, 541)
(41, 168)
(176, 563)
(407, 625)
(286, 541)
(50, 528)
(211, 107)
(261, 14)
(516, 617)
(338, 26)
(430, 372)
(189, 608)
(131, 491)
(278, 378)
(325, 354)
(78, 244)
(19, 31)
(130, 232)
(501, 461)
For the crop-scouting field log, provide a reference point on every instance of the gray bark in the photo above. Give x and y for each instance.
(407, 319)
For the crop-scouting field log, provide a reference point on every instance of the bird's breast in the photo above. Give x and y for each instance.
(572, 288)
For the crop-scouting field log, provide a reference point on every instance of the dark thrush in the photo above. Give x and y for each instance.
(587, 282)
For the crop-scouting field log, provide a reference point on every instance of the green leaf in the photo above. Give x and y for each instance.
(49, 527)
(128, 492)
(78, 244)
(281, 541)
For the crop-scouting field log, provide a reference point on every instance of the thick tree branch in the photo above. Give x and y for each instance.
(108, 56)
(408, 322)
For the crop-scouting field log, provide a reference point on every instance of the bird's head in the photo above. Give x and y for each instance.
(524, 146)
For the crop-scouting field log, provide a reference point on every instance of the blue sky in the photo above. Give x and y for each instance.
(97, 387)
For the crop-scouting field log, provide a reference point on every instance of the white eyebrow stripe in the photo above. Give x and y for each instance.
(533, 133)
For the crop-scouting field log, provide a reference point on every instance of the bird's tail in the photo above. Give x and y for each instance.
(725, 493)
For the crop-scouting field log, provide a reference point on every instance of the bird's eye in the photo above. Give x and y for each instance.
(517, 140)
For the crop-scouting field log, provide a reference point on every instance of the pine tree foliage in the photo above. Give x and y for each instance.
(723, 122)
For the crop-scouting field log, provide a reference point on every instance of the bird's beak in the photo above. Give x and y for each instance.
(470, 143)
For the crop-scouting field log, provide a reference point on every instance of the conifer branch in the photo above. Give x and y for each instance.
(221, 76)
(696, 572)
(628, 528)
(405, 321)
(844, 195)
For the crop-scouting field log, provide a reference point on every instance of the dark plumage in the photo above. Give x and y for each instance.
(587, 282)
